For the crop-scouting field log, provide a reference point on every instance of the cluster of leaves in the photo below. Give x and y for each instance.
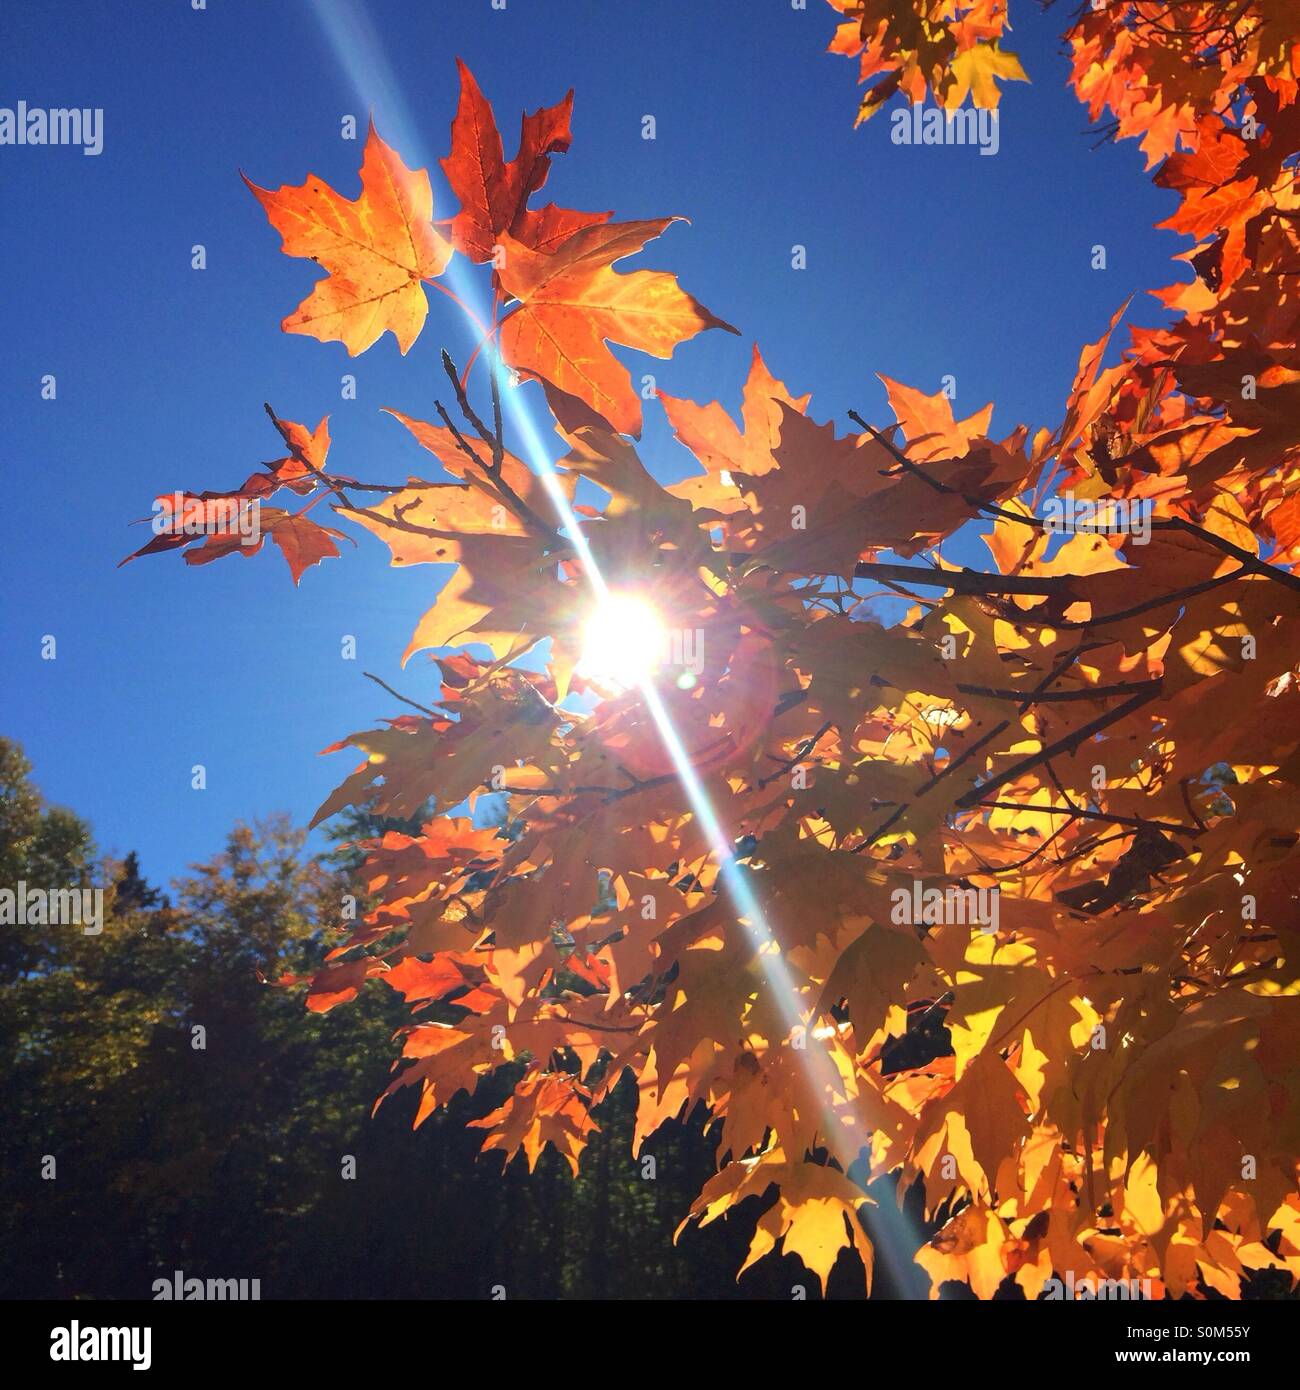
(952, 48)
(1105, 732)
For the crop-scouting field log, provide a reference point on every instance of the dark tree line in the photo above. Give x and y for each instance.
(226, 1160)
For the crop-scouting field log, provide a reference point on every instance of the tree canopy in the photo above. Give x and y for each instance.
(1041, 814)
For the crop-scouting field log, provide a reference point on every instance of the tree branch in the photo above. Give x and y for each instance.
(1067, 744)
(964, 581)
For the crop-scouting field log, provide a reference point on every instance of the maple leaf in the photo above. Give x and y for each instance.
(871, 974)
(416, 980)
(814, 1217)
(302, 542)
(335, 984)
(376, 249)
(968, 1250)
(978, 71)
(542, 1109)
(238, 522)
(571, 302)
(724, 451)
(493, 194)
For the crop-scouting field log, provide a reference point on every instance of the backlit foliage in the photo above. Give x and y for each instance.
(1106, 732)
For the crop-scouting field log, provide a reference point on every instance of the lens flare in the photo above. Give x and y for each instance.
(622, 642)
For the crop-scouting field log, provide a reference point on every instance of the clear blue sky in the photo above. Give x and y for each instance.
(921, 262)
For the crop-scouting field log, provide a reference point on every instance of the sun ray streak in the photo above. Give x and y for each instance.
(358, 50)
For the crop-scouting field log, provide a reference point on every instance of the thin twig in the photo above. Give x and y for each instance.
(1066, 744)
(415, 704)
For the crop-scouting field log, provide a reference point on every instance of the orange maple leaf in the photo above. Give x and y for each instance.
(376, 248)
(571, 302)
(493, 194)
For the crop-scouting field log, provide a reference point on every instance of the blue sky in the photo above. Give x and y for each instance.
(921, 262)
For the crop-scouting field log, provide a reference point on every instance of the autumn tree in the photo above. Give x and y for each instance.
(1045, 819)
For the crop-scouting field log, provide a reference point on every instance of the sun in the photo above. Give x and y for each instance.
(623, 641)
